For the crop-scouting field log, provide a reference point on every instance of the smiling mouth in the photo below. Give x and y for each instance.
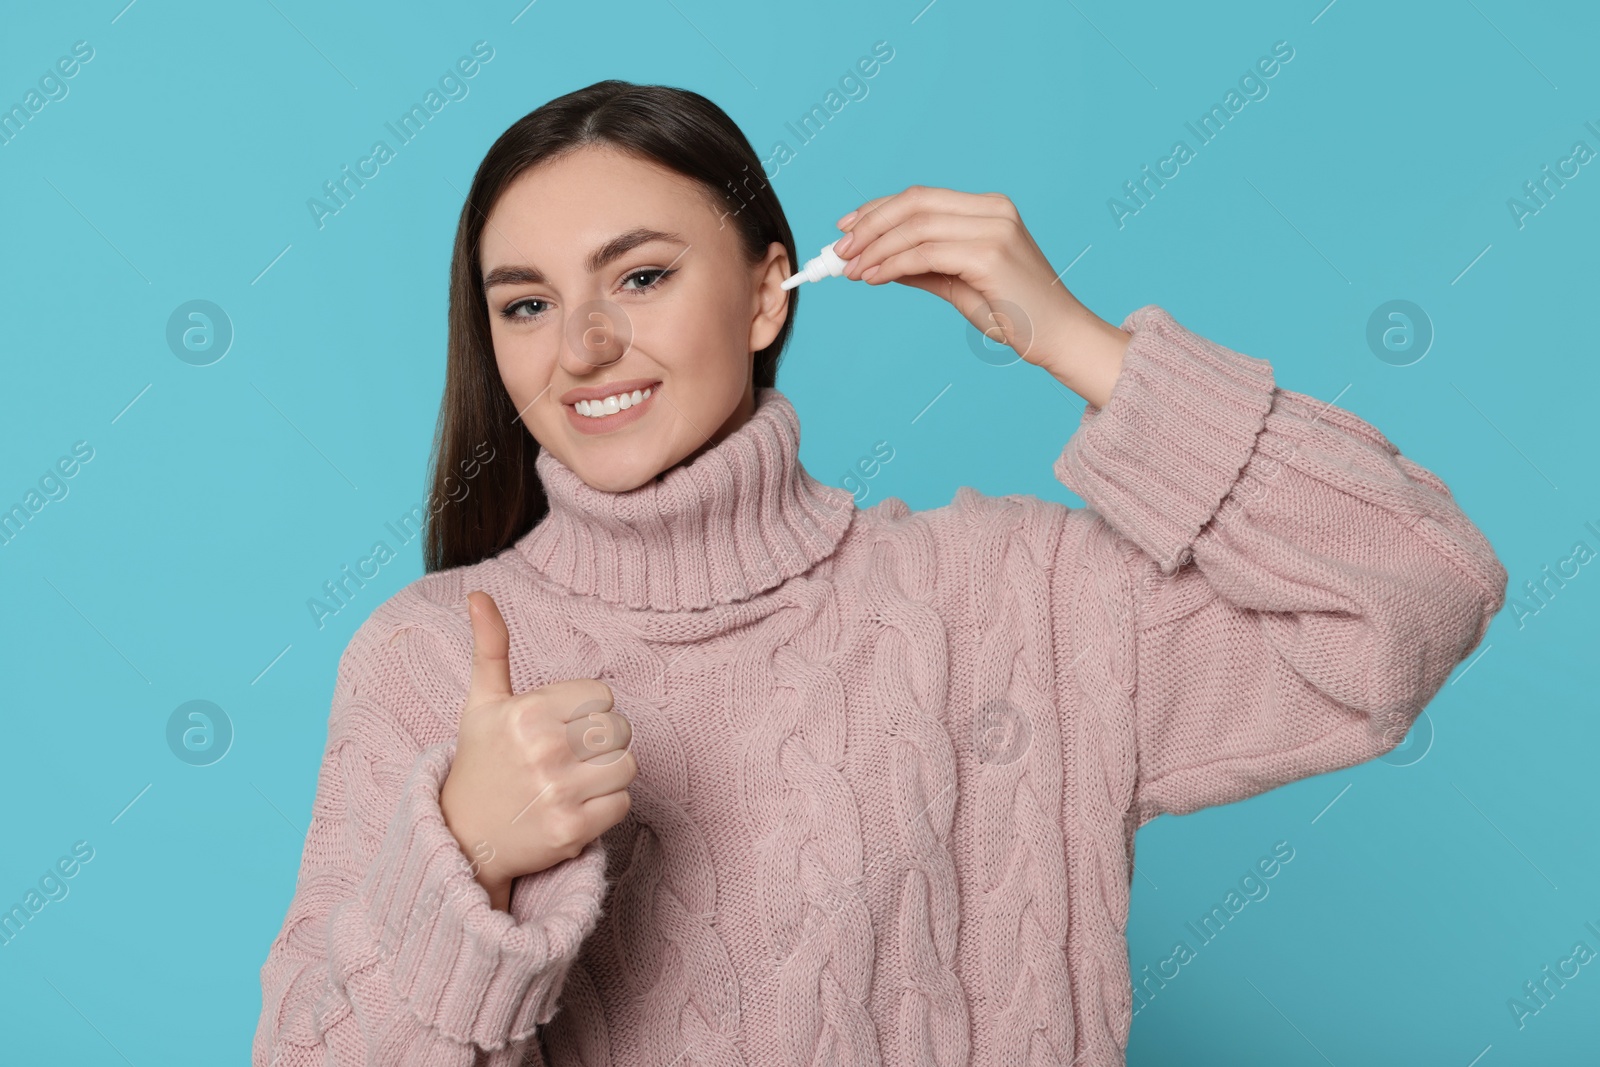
(603, 415)
(614, 404)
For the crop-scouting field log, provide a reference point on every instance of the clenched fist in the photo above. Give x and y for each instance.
(536, 776)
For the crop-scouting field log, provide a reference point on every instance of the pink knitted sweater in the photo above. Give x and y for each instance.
(891, 762)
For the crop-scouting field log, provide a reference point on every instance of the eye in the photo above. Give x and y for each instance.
(657, 275)
(511, 311)
(531, 309)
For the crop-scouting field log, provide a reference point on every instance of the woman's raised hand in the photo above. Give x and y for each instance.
(536, 776)
(973, 250)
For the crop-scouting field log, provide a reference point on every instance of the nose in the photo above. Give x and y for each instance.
(596, 334)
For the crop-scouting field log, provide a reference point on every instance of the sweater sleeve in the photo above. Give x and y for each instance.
(391, 953)
(1298, 589)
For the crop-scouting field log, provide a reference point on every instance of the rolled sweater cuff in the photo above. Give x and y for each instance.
(461, 966)
(1169, 445)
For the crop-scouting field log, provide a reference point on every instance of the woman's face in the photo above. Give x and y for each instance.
(608, 274)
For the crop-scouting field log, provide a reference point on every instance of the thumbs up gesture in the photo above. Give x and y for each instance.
(536, 776)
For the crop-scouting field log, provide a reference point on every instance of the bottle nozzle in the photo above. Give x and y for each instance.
(826, 264)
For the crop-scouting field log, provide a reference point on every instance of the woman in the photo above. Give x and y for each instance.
(674, 755)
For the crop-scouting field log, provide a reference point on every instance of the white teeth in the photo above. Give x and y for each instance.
(598, 409)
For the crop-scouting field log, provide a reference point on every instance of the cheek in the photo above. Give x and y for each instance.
(711, 339)
(523, 363)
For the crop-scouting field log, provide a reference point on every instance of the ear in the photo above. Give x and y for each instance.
(770, 299)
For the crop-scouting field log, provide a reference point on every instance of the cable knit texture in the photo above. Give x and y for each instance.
(891, 763)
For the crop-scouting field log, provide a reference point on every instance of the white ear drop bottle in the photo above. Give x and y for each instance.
(827, 264)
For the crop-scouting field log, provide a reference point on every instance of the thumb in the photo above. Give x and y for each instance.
(491, 651)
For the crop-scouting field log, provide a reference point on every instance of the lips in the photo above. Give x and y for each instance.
(587, 424)
(600, 392)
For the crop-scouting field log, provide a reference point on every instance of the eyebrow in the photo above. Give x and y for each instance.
(615, 248)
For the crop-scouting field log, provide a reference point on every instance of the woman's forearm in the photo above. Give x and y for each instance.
(1084, 353)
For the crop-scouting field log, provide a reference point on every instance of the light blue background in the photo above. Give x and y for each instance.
(1379, 166)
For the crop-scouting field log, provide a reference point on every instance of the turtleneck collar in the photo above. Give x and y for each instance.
(742, 518)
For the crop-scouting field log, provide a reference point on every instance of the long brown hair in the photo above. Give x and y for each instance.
(480, 443)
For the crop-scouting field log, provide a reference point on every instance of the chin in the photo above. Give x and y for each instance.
(632, 457)
(615, 483)
(625, 473)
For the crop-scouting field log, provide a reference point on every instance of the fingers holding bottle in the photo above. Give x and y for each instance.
(975, 251)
